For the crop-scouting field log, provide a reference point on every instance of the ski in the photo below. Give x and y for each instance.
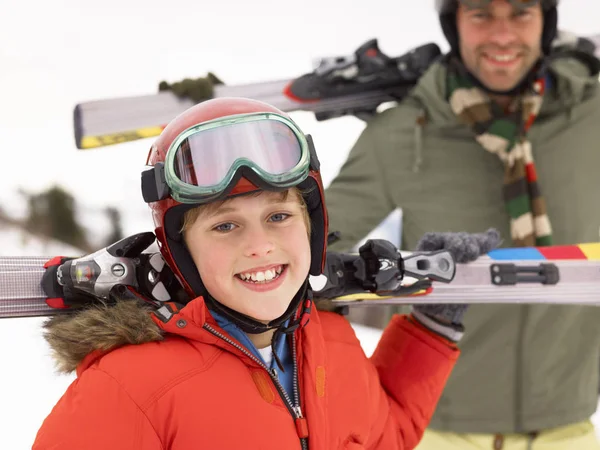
(45, 286)
(21, 292)
(567, 275)
(38, 286)
(356, 84)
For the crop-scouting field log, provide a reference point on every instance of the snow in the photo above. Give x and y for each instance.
(16, 242)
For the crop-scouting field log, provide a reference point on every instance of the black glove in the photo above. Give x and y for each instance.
(198, 89)
(446, 319)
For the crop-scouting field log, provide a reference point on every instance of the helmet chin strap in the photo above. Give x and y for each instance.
(252, 326)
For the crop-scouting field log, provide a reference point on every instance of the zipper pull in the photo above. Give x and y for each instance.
(301, 423)
(298, 412)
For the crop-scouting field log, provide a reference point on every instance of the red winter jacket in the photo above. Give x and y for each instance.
(182, 387)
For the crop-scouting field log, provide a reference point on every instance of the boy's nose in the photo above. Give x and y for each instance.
(258, 243)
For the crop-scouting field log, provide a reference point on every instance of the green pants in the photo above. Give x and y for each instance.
(579, 436)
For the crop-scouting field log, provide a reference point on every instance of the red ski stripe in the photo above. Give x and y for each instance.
(53, 262)
(287, 91)
(429, 290)
(562, 252)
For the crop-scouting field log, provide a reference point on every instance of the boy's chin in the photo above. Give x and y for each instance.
(268, 316)
(268, 313)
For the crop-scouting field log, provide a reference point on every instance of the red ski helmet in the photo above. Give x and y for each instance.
(198, 159)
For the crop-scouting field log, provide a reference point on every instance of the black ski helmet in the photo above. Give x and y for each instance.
(446, 10)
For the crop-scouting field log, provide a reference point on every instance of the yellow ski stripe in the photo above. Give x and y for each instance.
(371, 296)
(88, 142)
(591, 250)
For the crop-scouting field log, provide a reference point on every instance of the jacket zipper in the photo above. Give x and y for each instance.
(293, 407)
(296, 389)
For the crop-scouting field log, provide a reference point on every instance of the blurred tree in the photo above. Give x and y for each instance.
(116, 229)
(52, 213)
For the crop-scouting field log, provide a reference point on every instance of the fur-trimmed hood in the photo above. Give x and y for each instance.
(100, 328)
(78, 339)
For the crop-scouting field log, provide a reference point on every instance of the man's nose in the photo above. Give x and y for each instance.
(502, 32)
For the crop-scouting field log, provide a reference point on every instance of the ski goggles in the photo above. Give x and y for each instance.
(520, 4)
(205, 161)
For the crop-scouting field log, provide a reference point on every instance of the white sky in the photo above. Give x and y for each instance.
(56, 54)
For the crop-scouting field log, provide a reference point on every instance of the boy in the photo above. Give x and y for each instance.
(237, 201)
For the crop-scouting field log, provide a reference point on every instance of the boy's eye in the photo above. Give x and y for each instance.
(224, 227)
(279, 217)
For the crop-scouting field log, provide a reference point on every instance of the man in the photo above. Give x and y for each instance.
(496, 134)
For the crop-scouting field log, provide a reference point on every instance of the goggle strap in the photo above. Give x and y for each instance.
(314, 160)
(154, 184)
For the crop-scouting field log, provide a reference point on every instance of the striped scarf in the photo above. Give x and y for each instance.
(504, 134)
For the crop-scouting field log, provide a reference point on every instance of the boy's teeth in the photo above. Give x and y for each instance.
(258, 277)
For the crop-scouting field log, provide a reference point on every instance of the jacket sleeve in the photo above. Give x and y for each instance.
(358, 198)
(96, 413)
(412, 366)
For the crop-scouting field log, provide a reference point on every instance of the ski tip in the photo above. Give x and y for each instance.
(77, 126)
(290, 90)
